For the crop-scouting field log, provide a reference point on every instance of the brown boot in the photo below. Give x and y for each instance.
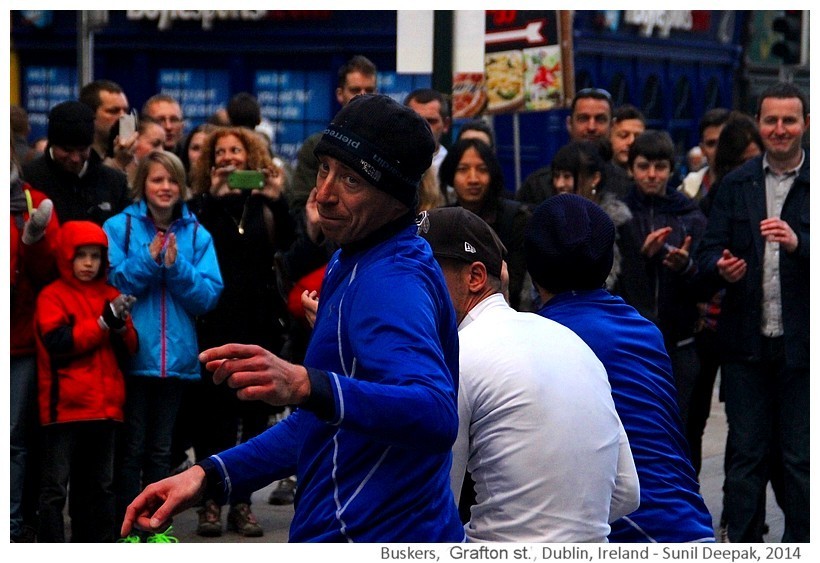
(242, 520)
(210, 520)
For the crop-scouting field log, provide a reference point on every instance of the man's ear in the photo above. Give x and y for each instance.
(478, 276)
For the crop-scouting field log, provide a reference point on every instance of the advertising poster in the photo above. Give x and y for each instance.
(522, 61)
(522, 66)
(200, 92)
(43, 88)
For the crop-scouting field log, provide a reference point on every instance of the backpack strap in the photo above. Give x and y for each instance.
(18, 217)
(29, 202)
(193, 241)
(127, 232)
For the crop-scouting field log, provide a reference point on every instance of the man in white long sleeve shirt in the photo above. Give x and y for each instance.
(538, 429)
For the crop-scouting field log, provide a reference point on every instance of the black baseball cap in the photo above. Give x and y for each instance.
(455, 232)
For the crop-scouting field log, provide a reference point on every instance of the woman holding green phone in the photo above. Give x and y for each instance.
(249, 223)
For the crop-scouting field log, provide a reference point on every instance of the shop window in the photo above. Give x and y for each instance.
(652, 99)
(583, 79)
(711, 98)
(619, 90)
(683, 100)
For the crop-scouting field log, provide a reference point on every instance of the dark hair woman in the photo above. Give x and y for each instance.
(472, 169)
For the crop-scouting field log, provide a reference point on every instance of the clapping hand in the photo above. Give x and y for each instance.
(169, 256)
(655, 241)
(121, 305)
(115, 312)
(677, 259)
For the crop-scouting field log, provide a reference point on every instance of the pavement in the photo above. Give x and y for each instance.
(275, 520)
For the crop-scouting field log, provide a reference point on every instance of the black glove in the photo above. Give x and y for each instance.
(110, 319)
(122, 305)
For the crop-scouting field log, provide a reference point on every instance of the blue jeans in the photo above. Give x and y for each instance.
(767, 406)
(151, 405)
(81, 453)
(23, 471)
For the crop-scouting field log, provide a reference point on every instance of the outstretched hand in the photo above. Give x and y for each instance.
(154, 507)
(257, 374)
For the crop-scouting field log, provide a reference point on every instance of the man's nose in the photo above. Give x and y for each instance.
(324, 188)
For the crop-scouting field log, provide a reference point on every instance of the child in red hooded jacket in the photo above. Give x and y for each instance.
(80, 323)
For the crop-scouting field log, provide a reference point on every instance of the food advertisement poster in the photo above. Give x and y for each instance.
(522, 66)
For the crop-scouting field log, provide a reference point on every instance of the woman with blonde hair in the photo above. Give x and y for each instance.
(430, 195)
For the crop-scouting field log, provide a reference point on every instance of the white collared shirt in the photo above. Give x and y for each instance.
(777, 188)
(538, 431)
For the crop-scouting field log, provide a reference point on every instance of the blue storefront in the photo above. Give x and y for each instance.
(672, 65)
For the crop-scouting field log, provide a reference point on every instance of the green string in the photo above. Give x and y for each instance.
(160, 537)
(163, 537)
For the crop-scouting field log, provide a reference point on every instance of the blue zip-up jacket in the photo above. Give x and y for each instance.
(372, 452)
(168, 299)
(640, 374)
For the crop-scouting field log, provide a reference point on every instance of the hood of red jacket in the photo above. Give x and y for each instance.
(74, 234)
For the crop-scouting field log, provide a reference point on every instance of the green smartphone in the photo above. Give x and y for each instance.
(246, 180)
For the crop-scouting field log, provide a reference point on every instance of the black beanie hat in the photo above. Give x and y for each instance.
(460, 234)
(569, 243)
(71, 124)
(389, 144)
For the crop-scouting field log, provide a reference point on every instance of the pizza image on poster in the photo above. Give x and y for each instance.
(543, 82)
(469, 96)
(505, 80)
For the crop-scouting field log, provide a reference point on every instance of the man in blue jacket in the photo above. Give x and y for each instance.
(569, 245)
(756, 245)
(370, 441)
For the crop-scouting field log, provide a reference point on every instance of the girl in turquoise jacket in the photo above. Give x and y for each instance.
(159, 253)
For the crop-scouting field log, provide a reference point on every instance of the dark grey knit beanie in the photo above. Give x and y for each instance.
(569, 244)
(389, 144)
